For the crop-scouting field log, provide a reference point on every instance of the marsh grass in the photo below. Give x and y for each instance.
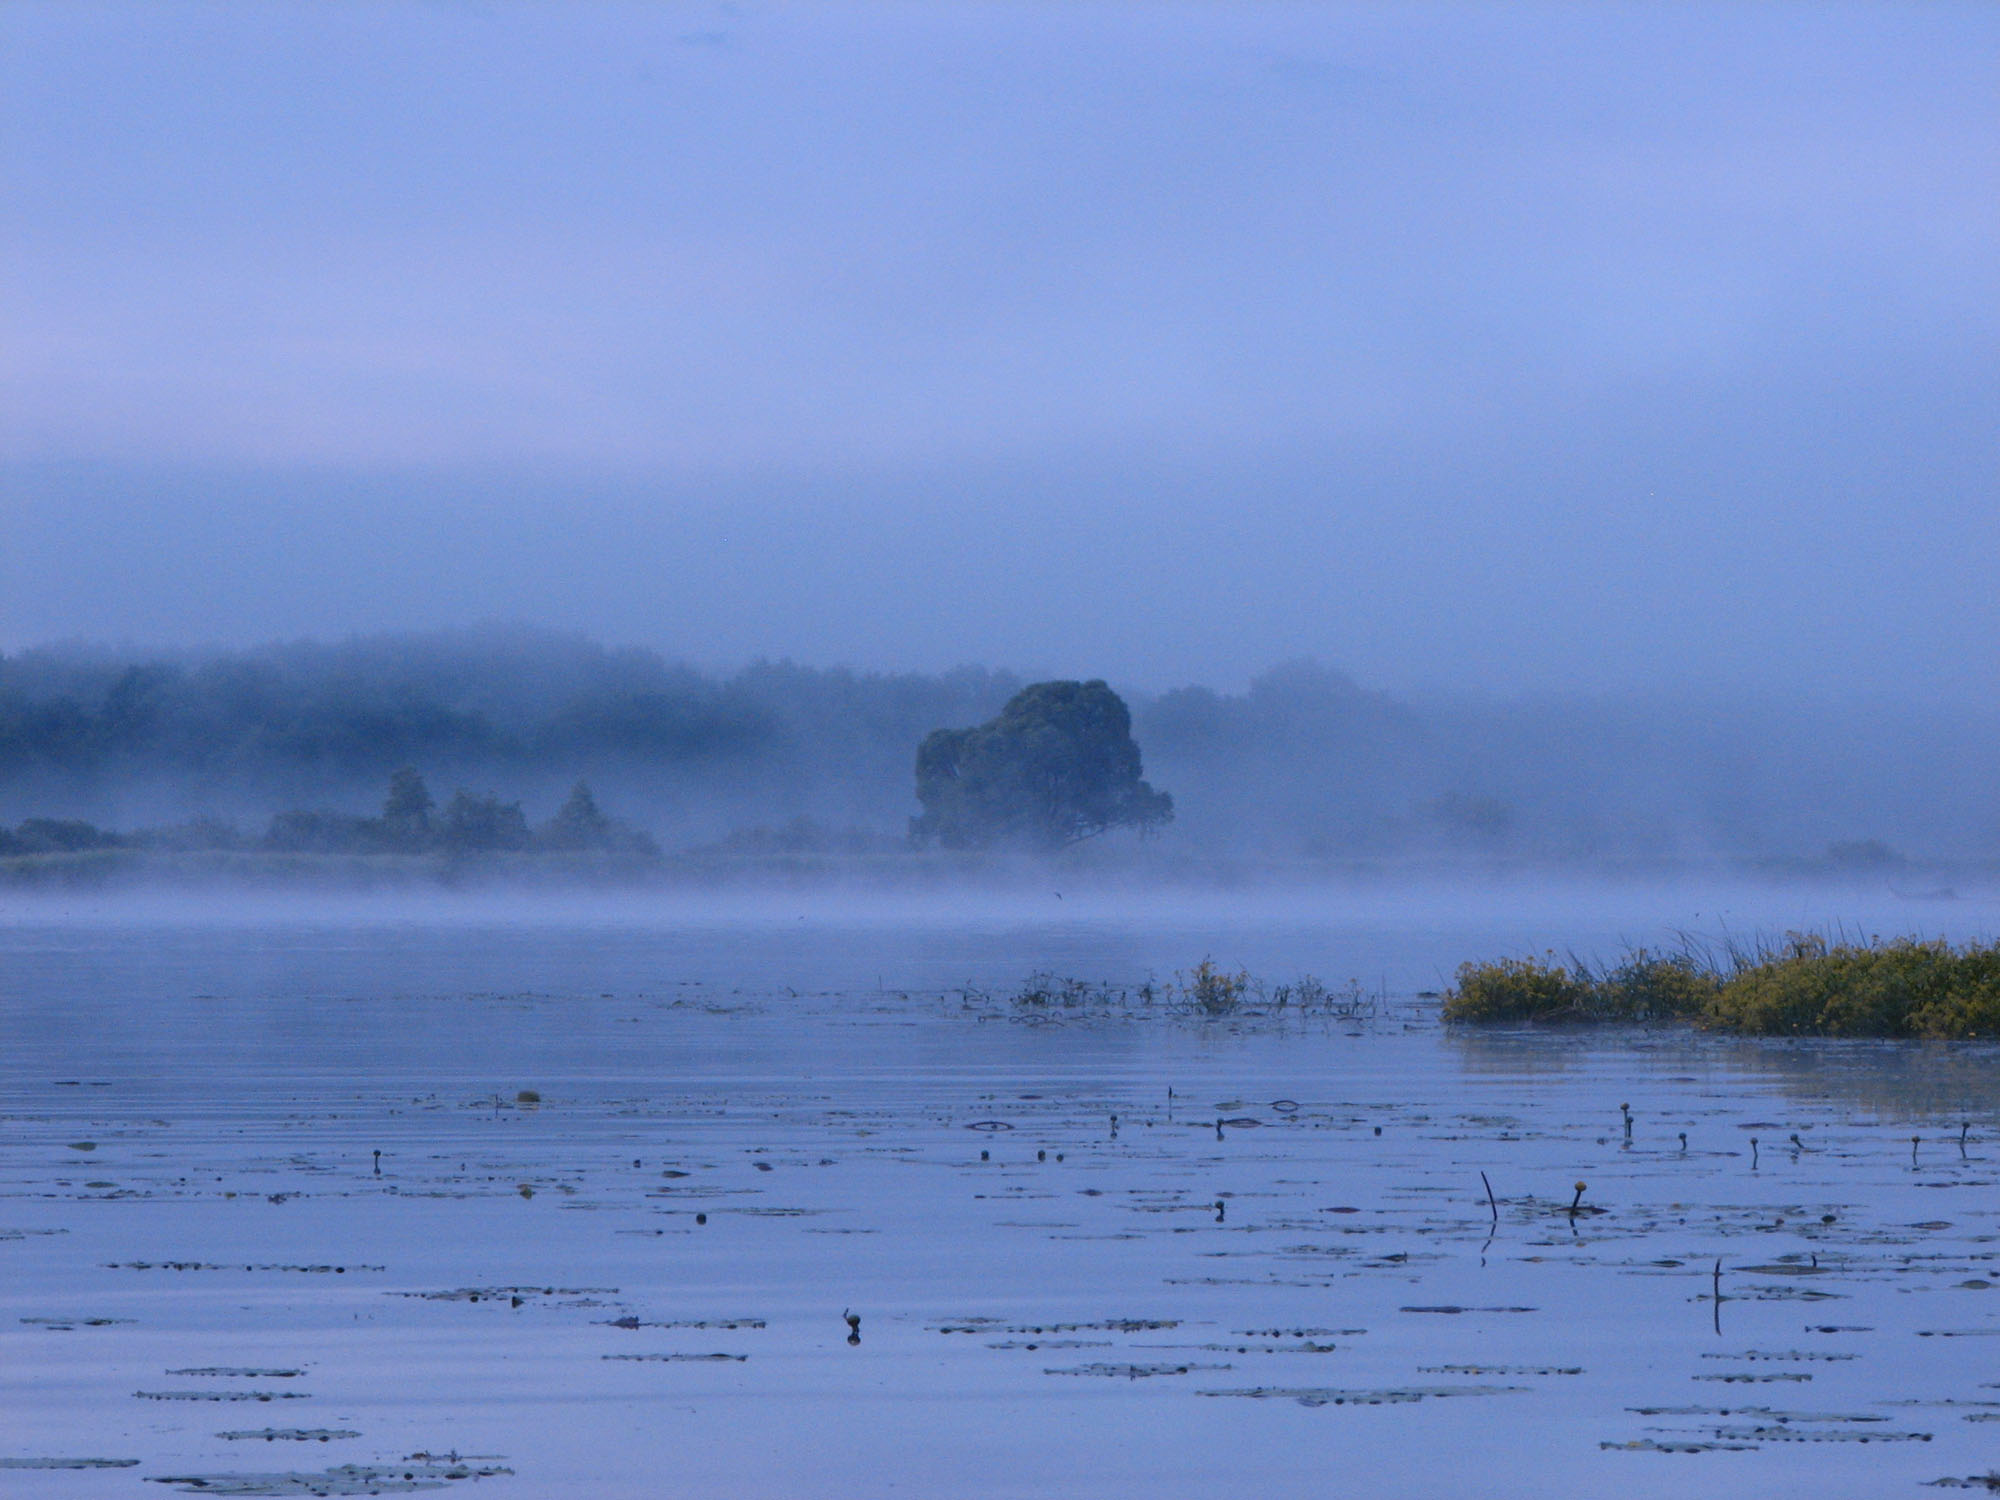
(1902, 988)
(1046, 991)
(1205, 992)
(1809, 984)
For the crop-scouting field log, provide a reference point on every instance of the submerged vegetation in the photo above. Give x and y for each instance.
(1809, 985)
(1205, 992)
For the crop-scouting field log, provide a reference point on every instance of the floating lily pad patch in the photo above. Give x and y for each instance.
(243, 1372)
(1499, 1369)
(1129, 1372)
(345, 1479)
(1388, 1396)
(631, 1321)
(220, 1395)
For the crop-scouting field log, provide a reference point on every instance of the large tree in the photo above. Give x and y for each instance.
(1057, 765)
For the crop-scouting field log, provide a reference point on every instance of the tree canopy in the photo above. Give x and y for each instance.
(468, 825)
(1058, 764)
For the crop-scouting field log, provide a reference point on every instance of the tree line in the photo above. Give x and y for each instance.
(411, 822)
(778, 757)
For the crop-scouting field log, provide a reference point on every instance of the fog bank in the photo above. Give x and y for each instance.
(784, 760)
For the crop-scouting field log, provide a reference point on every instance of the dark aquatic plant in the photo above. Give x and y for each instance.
(1206, 992)
(1045, 991)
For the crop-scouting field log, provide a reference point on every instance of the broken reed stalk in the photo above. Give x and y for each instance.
(1491, 1202)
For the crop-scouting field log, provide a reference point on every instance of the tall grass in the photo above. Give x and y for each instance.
(1807, 985)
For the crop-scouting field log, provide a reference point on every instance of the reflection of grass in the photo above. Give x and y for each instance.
(1808, 985)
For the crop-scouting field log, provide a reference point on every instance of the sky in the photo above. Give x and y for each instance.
(1504, 348)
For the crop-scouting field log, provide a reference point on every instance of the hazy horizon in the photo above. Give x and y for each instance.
(1470, 349)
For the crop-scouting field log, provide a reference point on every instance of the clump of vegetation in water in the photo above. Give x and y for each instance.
(1045, 991)
(1904, 988)
(1518, 989)
(1206, 991)
(1808, 985)
(1650, 986)
(1213, 991)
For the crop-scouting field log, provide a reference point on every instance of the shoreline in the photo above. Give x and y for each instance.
(1084, 868)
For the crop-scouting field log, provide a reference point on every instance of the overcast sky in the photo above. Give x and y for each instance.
(1479, 346)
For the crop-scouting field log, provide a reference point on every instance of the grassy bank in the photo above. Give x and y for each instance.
(1807, 986)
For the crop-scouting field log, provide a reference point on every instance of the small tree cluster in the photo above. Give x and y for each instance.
(411, 823)
(57, 836)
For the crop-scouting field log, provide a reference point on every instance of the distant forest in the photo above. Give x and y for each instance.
(779, 757)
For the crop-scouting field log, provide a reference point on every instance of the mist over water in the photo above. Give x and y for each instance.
(577, 916)
(1304, 765)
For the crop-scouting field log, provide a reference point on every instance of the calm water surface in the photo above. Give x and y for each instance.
(635, 1165)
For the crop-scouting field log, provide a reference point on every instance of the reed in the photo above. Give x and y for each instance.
(1809, 984)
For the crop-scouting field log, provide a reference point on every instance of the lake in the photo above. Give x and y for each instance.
(574, 1197)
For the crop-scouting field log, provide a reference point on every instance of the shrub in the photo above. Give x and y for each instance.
(1213, 991)
(1656, 987)
(1971, 1006)
(1904, 988)
(1518, 989)
(1806, 986)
